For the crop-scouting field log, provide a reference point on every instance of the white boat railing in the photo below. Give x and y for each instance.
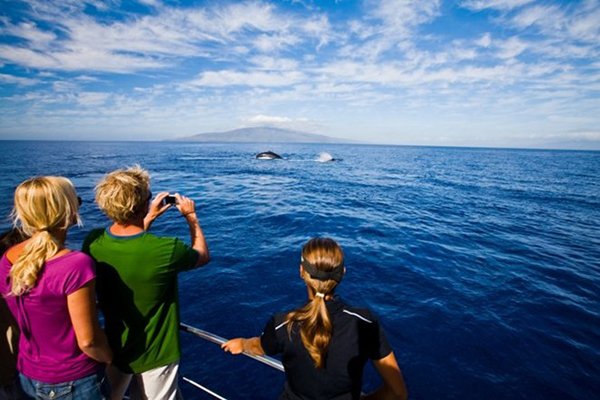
(204, 388)
(211, 337)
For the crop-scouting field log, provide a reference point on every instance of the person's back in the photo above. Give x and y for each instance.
(356, 338)
(325, 343)
(46, 349)
(137, 282)
(49, 290)
(137, 291)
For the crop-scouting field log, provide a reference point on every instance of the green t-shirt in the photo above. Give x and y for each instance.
(137, 293)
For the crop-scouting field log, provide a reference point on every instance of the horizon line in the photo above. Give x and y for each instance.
(311, 143)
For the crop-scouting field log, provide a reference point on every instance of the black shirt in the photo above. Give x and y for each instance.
(357, 337)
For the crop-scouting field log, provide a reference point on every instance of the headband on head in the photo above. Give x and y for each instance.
(336, 274)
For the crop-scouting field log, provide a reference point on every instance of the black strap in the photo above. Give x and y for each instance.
(336, 274)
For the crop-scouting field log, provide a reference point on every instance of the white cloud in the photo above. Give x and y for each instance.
(586, 26)
(318, 28)
(272, 43)
(81, 59)
(46, 74)
(587, 135)
(238, 17)
(153, 3)
(485, 40)
(580, 21)
(220, 63)
(511, 48)
(30, 32)
(267, 120)
(252, 78)
(401, 16)
(156, 41)
(92, 98)
(64, 87)
(86, 78)
(297, 123)
(504, 5)
(26, 57)
(15, 80)
(274, 63)
(550, 18)
(387, 27)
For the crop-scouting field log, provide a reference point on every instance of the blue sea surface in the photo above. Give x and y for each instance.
(482, 264)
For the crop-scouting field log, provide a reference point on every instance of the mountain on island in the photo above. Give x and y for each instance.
(263, 134)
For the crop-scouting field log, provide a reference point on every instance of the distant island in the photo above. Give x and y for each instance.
(263, 134)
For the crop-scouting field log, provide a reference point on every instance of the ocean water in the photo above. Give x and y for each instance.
(482, 264)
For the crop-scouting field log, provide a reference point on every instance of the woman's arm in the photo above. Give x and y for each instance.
(243, 345)
(90, 338)
(393, 387)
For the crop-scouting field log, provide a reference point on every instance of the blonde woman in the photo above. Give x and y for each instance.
(326, 343)
(50, 291)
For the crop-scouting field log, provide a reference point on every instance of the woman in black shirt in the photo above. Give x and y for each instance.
(325, 343)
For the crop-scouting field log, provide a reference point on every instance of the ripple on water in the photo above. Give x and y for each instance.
(481, 264)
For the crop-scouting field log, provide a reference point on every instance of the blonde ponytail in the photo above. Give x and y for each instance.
(25, 270)
(44, 207)
(324, 256)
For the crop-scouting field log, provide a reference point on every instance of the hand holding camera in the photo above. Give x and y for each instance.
(156, 208)
(163, 201)
(185, 205)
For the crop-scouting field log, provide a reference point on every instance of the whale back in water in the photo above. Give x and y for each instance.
(268, 155)
(326, 157)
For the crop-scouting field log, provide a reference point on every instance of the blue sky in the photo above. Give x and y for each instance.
(500, 73)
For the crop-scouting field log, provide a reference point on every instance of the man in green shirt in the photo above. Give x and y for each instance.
(137, 282)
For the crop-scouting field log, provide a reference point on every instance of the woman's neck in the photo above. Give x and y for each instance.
(59, 236)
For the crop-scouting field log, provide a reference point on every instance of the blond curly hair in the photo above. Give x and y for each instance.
(123, 194)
